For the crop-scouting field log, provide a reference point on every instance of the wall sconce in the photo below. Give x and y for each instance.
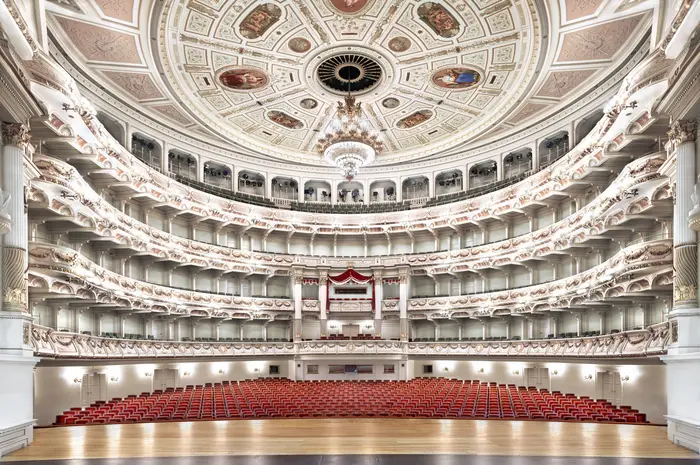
(588, 377)
(555, 372)
(480, 370)
(624, 378)
(77, 380)
(446, 369)
(516, 372)
(114, 379)
(186, 373)
(257, 370)
(148, 374)
(221, 371)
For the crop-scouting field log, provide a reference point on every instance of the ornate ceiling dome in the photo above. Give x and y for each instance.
(431, 76)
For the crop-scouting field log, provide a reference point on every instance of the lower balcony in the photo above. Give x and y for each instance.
(650, 342)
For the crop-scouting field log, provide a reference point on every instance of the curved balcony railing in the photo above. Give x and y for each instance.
(64, 271)
(650, 342)
(106, 153)
(66, 194)
(637, 268)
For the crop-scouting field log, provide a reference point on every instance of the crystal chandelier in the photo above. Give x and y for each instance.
(349, 142)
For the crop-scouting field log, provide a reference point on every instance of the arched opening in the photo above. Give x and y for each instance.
(251, 183)
(182, 164)
(317, 191)
(351, 192)
(415, 188)
(382, 191)
(449, 182)
(586, 125)
(517, 163)
(553, 148)
(218, 175)
(146, 149)
(113, 127)
(483, 173)
(285, 188)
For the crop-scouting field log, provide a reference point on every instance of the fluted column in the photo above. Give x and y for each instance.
(685, 314)
(683, 359)
(323, 302)
(378, 297)
(404, 282)
(297, 279)
(14, 251)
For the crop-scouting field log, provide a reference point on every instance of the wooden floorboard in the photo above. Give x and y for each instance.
(350, 437)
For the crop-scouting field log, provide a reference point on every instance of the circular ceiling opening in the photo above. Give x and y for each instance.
(349, 72)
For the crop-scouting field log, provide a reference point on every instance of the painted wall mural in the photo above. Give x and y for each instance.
(349, 6)
(244, 79)
(439, 19)
(259, 20)
(456, 78)
(414, 119)
(284, 119)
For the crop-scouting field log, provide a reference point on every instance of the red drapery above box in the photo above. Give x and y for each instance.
(349, 276)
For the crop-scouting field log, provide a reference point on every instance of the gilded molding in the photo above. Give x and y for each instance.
(16, 134)
(683, 131)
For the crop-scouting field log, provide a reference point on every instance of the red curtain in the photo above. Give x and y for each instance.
(346, 277)
(350, 275)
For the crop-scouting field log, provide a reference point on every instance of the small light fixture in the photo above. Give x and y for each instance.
(221, 371)
(446, 369)
(77, 380)
(148, 374)
(516, 372)
(555, 372)
(625, 378)
(114, 379)
(480, 370)
(256, 370)
(186, 373)
(588, 377)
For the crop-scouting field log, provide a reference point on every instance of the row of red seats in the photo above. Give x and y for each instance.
(421, 397)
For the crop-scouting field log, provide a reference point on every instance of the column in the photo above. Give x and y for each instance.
(404, 283)
(297, 278)
(523, 328)
(578, 324)
(683, 359)
(508, 330)
(554, 325)
(601, 323)
(16, 354)
(378, 297)
(323, 301)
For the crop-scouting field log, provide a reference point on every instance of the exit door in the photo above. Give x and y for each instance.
(608, 386)
(93, 388)
(164, 378)
(536, 377)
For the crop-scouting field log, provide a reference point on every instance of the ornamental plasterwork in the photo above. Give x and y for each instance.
(200, 37)
(581, 160)
(89, 210)
(92, 282)
(598, 282)
(91, 279)
(649, 342)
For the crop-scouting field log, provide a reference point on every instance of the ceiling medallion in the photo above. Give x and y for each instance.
(349, 73)
(350, 141)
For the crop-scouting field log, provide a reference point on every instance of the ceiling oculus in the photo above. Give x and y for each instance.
(349, 72)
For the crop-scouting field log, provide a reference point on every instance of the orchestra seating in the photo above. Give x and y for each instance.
(282, 398)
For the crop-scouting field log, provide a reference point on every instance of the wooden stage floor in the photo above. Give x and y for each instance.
(335, 437)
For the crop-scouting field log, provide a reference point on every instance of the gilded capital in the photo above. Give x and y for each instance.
(684, 130)
(15, 134)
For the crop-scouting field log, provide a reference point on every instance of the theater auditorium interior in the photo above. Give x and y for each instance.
(343, 232)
